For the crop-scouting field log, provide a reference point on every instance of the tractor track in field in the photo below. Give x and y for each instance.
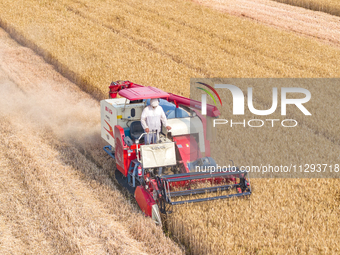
(305, 22)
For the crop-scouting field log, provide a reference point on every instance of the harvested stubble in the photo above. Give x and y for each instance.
(164, 43)
(328, 6)
(56, 193)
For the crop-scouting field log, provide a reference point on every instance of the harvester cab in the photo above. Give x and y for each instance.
(162, 173)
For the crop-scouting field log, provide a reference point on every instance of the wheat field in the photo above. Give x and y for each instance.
(282, 216)
(164, 44)
(170, 42)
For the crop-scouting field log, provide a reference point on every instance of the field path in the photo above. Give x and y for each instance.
(320, 25)
(56, 193)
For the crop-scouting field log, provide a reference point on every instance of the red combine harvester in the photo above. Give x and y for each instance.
(161, 172)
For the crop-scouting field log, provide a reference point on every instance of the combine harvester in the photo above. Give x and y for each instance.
(181, 151)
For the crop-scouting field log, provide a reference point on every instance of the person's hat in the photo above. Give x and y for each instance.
(154, 102)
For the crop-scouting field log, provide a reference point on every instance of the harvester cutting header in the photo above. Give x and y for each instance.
(161, 165)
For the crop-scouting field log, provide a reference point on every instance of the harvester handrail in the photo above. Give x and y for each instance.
(137, 141)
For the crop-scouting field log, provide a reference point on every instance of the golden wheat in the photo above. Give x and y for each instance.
(168, 42)
(163, 44)
(291, 216)
(282, 215)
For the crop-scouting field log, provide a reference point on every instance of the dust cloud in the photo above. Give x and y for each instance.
(68, 117)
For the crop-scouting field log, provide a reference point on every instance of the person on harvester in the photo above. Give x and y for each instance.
(151, 119)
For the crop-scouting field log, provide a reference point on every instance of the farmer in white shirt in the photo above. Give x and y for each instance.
(151, 118)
